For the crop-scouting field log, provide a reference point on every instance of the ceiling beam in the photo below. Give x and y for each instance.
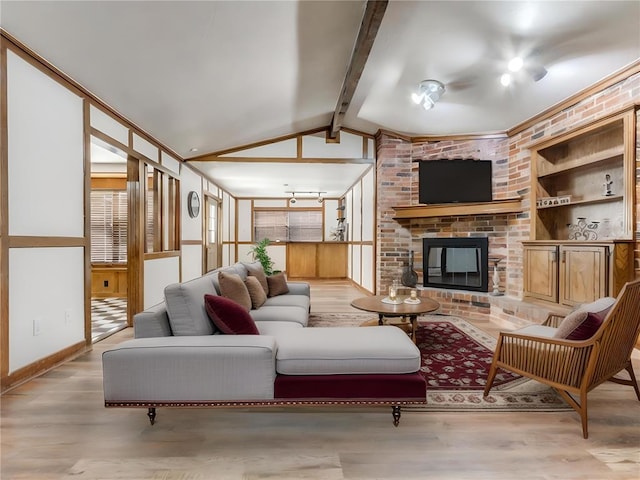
(371, 20)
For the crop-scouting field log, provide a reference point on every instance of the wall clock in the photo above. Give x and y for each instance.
(193, 204)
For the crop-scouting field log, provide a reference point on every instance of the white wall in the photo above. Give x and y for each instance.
(39, 300)
(191, 262)
(360, 203)
(158, 273)
(46, 199)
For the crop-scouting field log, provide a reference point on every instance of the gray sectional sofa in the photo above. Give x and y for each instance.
(179, 359)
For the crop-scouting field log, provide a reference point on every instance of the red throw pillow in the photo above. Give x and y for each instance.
(587, 328)
(228, 316)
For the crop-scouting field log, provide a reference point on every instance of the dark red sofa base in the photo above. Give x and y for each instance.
(378, 386)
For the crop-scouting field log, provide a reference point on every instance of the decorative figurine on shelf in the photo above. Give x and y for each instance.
(583, 230)
(409, 276)
(607, 185)
(338, 232)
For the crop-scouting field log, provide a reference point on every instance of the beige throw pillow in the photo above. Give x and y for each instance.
(255, 270)
(277, 284)
(570, 323)
(233, 288)
(256, 292)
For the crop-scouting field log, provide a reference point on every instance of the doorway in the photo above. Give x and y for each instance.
(109, 223)
(213, 246)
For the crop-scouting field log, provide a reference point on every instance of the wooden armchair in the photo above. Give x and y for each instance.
(576, 367)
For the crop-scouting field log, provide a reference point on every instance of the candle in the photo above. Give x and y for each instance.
(392, 292)
(414, 294)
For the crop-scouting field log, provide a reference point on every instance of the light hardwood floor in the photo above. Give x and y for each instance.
(55, 427)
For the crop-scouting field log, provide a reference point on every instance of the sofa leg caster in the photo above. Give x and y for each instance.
(397, 411)
(151, 413)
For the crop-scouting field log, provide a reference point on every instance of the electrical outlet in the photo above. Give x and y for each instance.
(36, 327)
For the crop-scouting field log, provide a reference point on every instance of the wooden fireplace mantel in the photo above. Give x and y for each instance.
(505, 206)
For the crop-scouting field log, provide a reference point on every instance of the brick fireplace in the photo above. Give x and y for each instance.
(397, 185)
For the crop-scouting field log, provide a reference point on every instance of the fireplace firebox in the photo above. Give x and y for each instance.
(456, 263)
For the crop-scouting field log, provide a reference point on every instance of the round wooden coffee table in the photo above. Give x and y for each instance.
(408, 312)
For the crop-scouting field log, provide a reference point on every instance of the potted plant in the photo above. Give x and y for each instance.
(259, 252)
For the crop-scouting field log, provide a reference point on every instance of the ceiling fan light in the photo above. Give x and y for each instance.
(505, 80)
(515, 64)
(430, 93)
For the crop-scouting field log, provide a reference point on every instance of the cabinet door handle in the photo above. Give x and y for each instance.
(554, 256)
(564, 257)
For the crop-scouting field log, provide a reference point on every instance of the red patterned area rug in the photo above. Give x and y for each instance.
(456, 357)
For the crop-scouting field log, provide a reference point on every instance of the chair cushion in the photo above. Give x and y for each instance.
(255, 270)
(582, 327)
(256, 292)
(233, 288)
(229, 317)
(277, 284)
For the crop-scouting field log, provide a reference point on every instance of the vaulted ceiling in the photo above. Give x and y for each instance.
(213, 75)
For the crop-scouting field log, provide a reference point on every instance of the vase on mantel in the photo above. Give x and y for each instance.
(409, 276)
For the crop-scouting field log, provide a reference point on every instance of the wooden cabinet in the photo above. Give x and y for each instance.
(541, 272)
(583, 273)
(317, 260)
(582, 203)
(571, 273)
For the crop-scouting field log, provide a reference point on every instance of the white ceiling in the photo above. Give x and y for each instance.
(214, 75)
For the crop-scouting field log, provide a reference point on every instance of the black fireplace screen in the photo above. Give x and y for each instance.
(456, 263)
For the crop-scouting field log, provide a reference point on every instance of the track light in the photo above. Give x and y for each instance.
(313, 192)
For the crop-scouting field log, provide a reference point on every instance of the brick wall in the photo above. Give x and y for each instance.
(397, 184)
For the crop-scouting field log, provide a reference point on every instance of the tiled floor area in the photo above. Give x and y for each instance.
(108, 315)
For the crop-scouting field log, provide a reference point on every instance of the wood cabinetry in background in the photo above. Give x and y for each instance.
(583, 185)
(317, 260)
(109, 281)
(571, 273)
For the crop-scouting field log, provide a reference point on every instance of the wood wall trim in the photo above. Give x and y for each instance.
(297, 160)
(22, 241)
(157, 255)
(391, 133)
(4, 215)
(191, 242)
(43, 365)
(460, 137)
(215, 156)
(88, 336)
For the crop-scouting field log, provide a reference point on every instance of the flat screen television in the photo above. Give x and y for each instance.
(453, 181)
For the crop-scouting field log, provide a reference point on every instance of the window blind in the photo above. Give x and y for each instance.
(288, 226)
(108, 226)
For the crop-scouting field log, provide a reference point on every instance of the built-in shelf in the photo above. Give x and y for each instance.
(611, 154)
(506, 206)
(586, 201)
